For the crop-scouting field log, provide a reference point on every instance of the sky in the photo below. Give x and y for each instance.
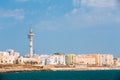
(66, 26)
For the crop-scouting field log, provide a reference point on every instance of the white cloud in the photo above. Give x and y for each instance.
(94, 18)
(76, 3)
(78, 19)
(74, 11)
(94, 12)
(16, 13)
(95, 3)
(98, 13)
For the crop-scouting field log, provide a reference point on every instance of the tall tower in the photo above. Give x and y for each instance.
(30, 36)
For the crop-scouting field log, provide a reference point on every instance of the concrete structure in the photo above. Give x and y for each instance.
(30, 36)
(61, 59)
(51, 60)
(95, 59)
(43, 59)
(29, 61)
(85, 60)
(105, 60)
(116, 61)
(70, 59)
(9, 57)
(56, 59)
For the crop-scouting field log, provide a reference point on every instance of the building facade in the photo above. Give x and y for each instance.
(116, 61)
(70, 59)
(58, 59)
(9, 57)
(85, 60)
(105, 60)
(35, 60)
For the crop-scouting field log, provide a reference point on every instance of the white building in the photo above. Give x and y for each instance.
(43, 59)
(51, 60)
(9, 57)
(61, 59)
(56, 59)
(29, 60)
(116, 61)
(106, 59)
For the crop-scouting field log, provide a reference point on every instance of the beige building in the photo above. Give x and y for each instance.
(85, 60)
(35, 60)
(70, 59)
(95, 59)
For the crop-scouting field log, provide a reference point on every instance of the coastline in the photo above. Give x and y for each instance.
(28, 68)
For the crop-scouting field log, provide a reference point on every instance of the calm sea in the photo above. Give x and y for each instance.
(63, 75)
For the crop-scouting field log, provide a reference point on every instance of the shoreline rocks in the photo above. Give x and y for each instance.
(28, 68)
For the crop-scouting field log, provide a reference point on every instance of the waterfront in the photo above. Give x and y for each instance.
(63, 75)
(29, 68)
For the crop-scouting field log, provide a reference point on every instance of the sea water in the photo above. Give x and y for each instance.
(63, 75)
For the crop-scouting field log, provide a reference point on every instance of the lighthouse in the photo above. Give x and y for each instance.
(30, 36)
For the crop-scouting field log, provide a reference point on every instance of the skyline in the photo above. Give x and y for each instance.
(68, 26)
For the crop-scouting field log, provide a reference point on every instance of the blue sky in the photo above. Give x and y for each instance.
(67, 26)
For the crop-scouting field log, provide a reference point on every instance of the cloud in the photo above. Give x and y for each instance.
(16, 14)
(97, 13)
(78, 19)
(93, 18)
(76, 3)
(95, 3)
(89, 13)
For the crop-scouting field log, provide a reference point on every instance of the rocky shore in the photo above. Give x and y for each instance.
(26, 68)
(18, 68)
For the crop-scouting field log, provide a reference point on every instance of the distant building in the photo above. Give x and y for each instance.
(105, 59)
(29, 61)
(70, 59)
(95, 60)
(43, 59)
(9, 57)
(61, 59)
(85, 60)
(30, 36)
(116, 61)
(56, 59)
(51, 60)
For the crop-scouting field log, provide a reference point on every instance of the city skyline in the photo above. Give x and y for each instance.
(67, 26)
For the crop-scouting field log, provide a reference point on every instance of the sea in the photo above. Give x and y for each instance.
(63, 75)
